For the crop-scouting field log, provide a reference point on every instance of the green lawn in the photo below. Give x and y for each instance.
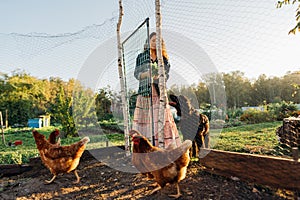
(256, 138)
(22, 153)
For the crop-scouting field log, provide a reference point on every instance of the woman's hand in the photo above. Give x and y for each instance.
(145, 75)
(155, 77)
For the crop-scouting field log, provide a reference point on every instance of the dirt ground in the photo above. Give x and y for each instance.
(98, 181)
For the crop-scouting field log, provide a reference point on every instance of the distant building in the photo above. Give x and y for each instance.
(260, 108)
(41, 121)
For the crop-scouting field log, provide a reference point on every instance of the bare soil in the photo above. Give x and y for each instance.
(99, 181)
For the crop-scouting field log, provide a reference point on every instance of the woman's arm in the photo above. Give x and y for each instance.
(142, 66)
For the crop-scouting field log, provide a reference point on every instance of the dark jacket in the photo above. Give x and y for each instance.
(142, 65)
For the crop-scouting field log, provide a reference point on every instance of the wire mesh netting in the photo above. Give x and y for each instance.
(136, 60)
(135, 44)
(201, 37)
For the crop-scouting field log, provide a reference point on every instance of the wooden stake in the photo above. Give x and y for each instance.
(162, 78)
(6, 118)
(122, 82)
(295, 153)
(2, 129)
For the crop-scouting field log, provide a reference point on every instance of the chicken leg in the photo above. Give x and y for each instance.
(77, 177)
(176, 196)
(155, 190)
(48, 182)
(203, 141)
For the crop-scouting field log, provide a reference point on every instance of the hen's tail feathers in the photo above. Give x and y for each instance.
(85, 140)
(182, 149)
(186, 144)
(171, 146)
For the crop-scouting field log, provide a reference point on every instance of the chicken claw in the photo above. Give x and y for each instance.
(176, 196)
(77, 177)
(155, 190)
(48, 182)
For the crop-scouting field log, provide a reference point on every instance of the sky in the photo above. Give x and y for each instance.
(53, 16)
(62, 36)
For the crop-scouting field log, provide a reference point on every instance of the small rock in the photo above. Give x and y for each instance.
(255, 190)
(234, 178)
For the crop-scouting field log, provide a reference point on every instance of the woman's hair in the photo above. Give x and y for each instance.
(163, 46)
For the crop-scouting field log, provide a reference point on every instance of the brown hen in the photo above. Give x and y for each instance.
(60, 159)
(165, 165)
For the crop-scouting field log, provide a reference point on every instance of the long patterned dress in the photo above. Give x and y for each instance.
(142, 120)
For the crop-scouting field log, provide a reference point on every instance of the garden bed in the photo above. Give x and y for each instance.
(99, 181)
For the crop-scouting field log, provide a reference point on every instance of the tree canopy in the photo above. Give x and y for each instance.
(70, 104)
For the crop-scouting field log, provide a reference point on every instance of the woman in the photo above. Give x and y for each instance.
(143, 112)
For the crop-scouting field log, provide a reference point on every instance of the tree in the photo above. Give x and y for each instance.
(202, 94)
(285, 2)
(62, 111)
(215, 85)
(290, 87)
(83, 106)
(23, 97)
(260, 90)
(103, 104)
(237, 88)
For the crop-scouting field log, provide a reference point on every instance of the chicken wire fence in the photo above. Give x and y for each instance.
(219, 28)
(135, 44)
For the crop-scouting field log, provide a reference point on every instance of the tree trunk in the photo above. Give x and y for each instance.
(162, 78)
(122, 84)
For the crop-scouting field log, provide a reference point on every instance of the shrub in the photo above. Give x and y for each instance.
(111, 126)
(18, 157)
(233, 123)
(282, 110)
(11, 158)
(253, 116)
(234, 113)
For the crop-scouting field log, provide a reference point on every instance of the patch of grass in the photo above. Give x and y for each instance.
(22, 153)
(255, 138)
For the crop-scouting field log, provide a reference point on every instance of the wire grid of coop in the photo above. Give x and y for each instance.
(289, 136)
(136, 49)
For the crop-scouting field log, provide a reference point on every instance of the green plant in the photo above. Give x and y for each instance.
(233, 123)
(252, 116)
(234, 113)
(282, 110)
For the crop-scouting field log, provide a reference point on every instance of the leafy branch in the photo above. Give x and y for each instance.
(286, 2)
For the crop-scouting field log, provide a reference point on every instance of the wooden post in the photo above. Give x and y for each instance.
(2, 130)
(122, 83)
(295, 153)
(162, 78)
(6, 118)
